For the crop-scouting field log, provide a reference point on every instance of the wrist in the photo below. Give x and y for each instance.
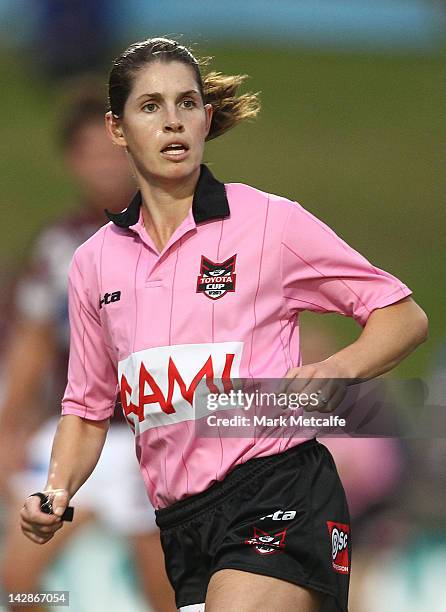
(346, 364)
(53, 488)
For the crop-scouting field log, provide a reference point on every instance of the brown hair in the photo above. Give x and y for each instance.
(216, 88)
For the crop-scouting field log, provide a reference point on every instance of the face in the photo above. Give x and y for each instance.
(164, 108)
(100, 169)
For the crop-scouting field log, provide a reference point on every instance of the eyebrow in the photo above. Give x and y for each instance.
(157, 96)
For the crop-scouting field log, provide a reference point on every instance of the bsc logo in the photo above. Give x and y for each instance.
(339, 533)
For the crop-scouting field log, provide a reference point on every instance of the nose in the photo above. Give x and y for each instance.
(173, 123)
(174, 126)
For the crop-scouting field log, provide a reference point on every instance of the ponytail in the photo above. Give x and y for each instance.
(220, 90)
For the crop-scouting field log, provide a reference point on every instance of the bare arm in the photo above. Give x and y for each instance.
(76, 450)
(390, 334)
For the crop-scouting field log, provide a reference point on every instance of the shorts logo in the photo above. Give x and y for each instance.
(280, 515)
(266, 543)
(216, 279)
(339, 534)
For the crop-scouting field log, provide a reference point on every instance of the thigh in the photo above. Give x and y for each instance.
(237, 591)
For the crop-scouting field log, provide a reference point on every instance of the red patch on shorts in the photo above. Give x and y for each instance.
(339, 535)
(267, 543)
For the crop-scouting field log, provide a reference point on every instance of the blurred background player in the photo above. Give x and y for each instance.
(36, 365)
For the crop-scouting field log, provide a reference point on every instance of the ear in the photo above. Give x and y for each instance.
(113, 125)
(209, 110)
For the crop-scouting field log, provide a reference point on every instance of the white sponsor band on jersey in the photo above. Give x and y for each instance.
(169, 384)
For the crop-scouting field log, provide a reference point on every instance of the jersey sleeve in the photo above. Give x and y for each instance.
(92, 384)
(322, 273)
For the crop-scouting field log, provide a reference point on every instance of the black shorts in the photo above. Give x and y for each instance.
(283, 516)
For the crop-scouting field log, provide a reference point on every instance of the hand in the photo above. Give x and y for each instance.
(322, 381)
(39, 526)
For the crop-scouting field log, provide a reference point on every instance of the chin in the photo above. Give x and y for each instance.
(181, 169)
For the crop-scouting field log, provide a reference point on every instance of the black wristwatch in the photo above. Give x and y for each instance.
(46, 506)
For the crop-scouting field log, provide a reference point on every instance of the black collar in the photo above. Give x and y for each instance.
(210, 202)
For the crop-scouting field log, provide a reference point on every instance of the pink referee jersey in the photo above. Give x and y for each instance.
(220, 301)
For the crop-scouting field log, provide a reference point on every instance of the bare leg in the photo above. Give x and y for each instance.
(149, 562)
(24, 562)
(237, 591)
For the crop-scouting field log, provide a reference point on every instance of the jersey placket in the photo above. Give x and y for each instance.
(156, 281)
(156, 268)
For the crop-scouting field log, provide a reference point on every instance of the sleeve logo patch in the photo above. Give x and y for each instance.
(339, 535)
(216, 279)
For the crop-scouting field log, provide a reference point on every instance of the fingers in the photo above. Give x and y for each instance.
(296, 380)
(59, 500)
(334, 398)
(320, 394)
(31, 512)
(329, 395)
(39, 536)
(38, 539)
(37, 525)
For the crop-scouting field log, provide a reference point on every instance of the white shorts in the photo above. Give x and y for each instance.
(115, 491)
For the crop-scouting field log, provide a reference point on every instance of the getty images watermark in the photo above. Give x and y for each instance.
(255, 401)
(268, 408)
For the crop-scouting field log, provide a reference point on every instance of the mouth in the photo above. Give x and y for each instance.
(175, 151)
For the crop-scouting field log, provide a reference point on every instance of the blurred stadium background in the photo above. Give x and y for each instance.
(352, 126)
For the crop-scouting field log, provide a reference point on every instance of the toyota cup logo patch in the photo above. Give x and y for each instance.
(339, 534)
(216, 279)
(267, 543)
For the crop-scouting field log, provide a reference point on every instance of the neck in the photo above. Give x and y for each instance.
(166, 204)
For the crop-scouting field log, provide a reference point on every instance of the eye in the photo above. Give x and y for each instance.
(149, 107)
(189, 103)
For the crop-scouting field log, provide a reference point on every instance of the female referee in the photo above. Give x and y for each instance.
(200, 280)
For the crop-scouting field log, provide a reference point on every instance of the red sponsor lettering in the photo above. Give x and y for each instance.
(174, 377)
(128, 407)
(157, 397)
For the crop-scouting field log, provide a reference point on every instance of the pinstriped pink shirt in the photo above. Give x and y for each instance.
(221, 301)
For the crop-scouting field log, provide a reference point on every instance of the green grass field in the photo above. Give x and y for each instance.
(358, 140)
